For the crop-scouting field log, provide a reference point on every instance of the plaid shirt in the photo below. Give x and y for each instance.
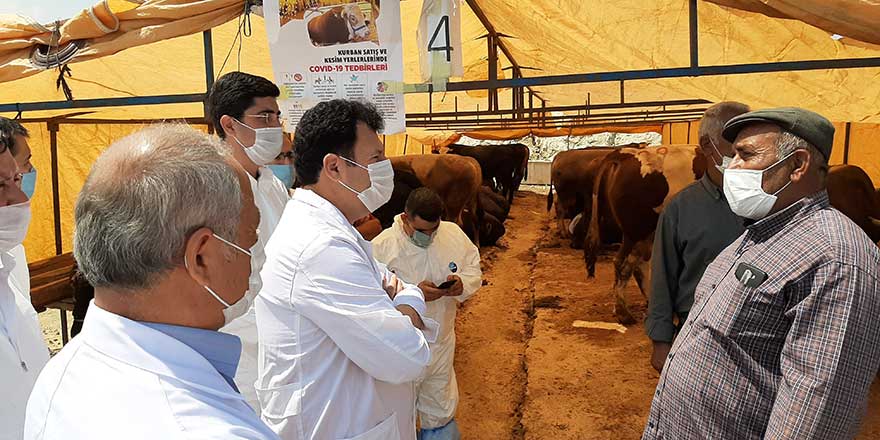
(790, 358)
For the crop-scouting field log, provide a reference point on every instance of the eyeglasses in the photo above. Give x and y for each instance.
(268, 118)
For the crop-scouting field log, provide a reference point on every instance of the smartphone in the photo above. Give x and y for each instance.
(446, 285)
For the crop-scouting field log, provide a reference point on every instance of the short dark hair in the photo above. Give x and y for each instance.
(424, 203)
(329, 128)
(9, 129)
(233, 93)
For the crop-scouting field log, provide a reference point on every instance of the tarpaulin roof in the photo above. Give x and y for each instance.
(158, 50)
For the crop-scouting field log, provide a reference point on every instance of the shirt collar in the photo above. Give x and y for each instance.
(803, 208)
(222, 350)
(140, 346)
(710, 187)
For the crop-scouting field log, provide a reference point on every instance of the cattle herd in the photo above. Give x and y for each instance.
(608, 195)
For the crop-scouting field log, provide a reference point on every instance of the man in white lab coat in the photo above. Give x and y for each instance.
(437, 255)
(341, 339)
(17, 137)
(163, 227)
(244, 109)
(23, 352)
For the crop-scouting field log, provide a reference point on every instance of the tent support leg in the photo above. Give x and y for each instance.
(56, 198)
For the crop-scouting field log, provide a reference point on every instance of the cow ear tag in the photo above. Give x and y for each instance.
(750, 276)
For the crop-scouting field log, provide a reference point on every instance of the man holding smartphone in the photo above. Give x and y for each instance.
(420, 248)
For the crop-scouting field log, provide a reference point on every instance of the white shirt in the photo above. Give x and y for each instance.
(23, 351)
(271, 197)
(122, 379)
(450, 253)
(337, 360)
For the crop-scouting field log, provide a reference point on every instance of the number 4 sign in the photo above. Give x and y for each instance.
(439, 37)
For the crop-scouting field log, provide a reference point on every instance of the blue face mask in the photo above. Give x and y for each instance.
(284, 173)
(421, 239)
(29, 182)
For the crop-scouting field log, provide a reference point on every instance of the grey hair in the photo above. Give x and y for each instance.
(788, 142)
(143, 198)
(716, 116)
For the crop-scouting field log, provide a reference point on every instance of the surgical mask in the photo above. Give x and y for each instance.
(267, 144)
(421, 239)
(233, 311)
(381, 184)
(29, 182)
(283, 173)
(14, 221)
(725, 160)
(745, 193)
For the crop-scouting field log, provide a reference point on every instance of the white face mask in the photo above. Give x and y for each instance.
(745, 193)
(14, 221)
(381, 184)
(725, 160)
(267, 144)
(255, 283)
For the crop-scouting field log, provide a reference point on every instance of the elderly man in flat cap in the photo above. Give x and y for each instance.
(783, 339)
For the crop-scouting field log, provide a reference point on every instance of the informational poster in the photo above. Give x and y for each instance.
(337, 49)
(439, 38)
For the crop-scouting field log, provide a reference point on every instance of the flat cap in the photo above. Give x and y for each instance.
(809, 126)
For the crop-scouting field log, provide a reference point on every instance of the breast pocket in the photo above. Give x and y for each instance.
(387, 430)
(762, 315)
(280, 402)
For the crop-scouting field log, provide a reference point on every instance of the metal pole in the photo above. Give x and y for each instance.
(493, 72)
(846, 144)
(209, 73)
(622, 95)
(56, 197)
(694, 34)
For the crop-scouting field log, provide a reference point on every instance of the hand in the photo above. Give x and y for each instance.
(457, 289)
(431, 292)
(658, 357)
(392, 286)
(413, 316)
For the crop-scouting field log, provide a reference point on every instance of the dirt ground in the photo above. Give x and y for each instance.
(524, 372)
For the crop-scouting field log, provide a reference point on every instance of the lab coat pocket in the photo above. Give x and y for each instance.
(280, 402)
(387, 430)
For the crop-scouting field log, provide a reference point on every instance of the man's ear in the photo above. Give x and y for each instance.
(803, 161)
(227, 124)
(195, 256)
(331, 164)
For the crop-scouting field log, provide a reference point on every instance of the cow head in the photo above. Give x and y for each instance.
(358, 25)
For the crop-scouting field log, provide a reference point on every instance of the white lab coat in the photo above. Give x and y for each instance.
(337, 360)
(121, 379)
(23, 352)
(271, 197)
(451, 253)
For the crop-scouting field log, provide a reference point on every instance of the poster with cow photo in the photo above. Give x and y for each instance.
(337, 49)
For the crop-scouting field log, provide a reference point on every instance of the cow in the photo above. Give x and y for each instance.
(851, 192)
(494, 210)
(455, 178)
(339, 25)
(501, 165)
(633, 186)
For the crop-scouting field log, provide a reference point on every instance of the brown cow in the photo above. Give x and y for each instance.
(572, 173)
(633, 186)
(455, 178)
(851, 192)
(339, 25)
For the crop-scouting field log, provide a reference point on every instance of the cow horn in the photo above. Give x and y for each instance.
(874, 221)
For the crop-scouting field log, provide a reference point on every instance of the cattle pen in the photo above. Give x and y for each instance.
(540, 352)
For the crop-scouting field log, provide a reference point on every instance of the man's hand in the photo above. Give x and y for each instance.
(432, 293)
(457, 289)
(392, 286)
(413, 316)
(658, 357)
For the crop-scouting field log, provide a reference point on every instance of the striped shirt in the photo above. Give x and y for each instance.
(785, 348)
